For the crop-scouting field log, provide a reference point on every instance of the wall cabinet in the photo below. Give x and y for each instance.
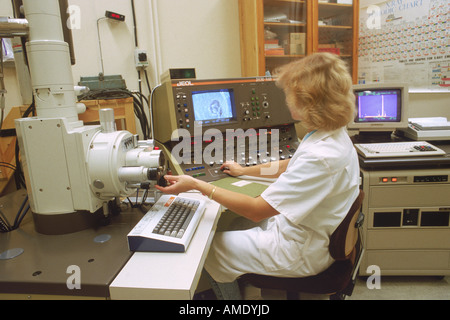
(275, 32)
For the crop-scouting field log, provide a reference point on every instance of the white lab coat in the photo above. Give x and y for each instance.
(313, 196)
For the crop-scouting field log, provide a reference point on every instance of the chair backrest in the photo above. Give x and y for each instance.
(344, 238)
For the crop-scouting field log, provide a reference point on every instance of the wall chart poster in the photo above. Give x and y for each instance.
(406, 41)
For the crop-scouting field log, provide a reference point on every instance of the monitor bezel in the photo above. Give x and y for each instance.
(382, 126)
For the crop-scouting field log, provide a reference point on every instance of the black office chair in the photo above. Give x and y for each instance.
(338, 280)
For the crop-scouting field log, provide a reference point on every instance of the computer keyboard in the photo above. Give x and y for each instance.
(398, 149)
(168, 226)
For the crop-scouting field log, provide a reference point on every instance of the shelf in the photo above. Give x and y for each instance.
(286, 56)
(282, 2)
(333, 9)
(284, 24)
(336, 27)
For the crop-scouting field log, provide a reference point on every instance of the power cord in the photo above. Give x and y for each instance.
(5, 226)
(120, 93)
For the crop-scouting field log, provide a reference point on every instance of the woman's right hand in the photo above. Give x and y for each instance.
(232, 168)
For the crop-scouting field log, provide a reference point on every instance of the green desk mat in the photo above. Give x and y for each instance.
(252, 189)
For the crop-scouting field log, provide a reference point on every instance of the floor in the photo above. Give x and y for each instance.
(391, 288)
(404, 288)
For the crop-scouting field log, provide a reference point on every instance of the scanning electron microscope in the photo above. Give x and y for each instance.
(73, 171)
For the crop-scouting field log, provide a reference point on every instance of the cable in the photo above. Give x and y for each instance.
(18, 175)
(144, 121)
(150, 128)
(123, 93)
(19, 221)
(7, 165)
(140, 84)
(100, 42)
(19, 212)
(150, 108)
(140, 204)
(2, 85)
(134, 23)
(4, 224)
(150, 104)
(136, 44)
(148, 82)
(140, 114)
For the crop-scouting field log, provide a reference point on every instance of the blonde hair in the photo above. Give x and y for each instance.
(319, 87)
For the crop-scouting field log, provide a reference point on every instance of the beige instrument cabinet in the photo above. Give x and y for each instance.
(406, 231)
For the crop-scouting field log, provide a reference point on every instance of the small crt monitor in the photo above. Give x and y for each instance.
(213, 107)
(380, 107)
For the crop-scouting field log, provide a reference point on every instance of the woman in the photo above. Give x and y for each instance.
(312, 194)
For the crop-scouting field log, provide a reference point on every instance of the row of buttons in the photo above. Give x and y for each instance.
(243, 160)
(195, 168)
(201, 174)
(255, 103)
(180, 110)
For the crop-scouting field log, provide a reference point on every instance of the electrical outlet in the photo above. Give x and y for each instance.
(141, 58)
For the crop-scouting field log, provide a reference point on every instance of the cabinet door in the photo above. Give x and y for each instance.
(336, 29)
(273, 33)
(285, 32)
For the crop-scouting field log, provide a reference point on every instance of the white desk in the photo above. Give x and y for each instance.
(156, 275)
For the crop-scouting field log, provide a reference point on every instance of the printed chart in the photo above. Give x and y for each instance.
(406, 41)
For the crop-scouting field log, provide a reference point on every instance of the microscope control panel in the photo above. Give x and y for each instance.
(221, 104)
(243, 120)
(253, 108)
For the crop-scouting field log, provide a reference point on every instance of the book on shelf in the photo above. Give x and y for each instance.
(329, 47)
(274, 52)
(271, 41)
(330, 50)
(271, 44)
